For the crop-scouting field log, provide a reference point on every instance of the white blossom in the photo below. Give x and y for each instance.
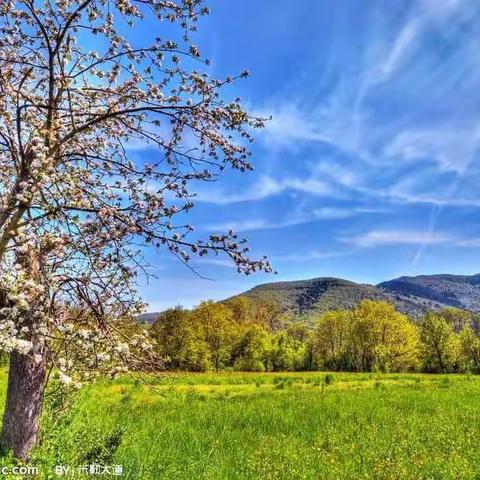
(64, 378)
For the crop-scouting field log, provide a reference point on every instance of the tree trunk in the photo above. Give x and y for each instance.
(26, 383)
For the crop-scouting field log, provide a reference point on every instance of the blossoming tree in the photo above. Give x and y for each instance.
(77, 92)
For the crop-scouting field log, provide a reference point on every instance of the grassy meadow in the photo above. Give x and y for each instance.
(272, 426)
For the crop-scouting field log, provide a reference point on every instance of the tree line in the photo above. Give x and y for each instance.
(255, 335)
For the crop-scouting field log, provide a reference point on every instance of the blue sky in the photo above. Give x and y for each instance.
(370, 167)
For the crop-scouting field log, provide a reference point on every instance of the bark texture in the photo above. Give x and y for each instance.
(26, 383)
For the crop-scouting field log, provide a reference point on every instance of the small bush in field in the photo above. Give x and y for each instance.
(104, 449)
(328, 379)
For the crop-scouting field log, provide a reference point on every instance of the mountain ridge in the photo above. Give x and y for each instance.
(412, 295)
(318, 295)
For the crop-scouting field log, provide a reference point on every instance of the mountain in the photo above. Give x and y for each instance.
(318, 295)
(149, 318)
(461, 291)
(411, 295)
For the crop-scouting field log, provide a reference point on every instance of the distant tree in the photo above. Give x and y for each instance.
(299, 331)
(167, 331)
(287, 353)
(252, 351)
(77, 89)
(457, 318)
(470, 349)
(215, 321)
(372, 336)
(267, 313)
(180, 341)
(240, 306)
(475, 322)
(331, 340)
(439, 343)
(383, 338)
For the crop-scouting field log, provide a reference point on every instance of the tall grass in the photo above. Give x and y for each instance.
(245, 426)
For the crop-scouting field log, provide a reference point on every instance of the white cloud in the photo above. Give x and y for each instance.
(402, 44)
(245, 226)
(376, 238)
(451, 149)
(434, 200)
(469, 243)
(335, 123)
(308, 256)
(289, 125)
(263, 188)
(435, 10)
(219, 262)
(327, 213)
(428, 12)
(266, 187)
(316, 214)
(340, 173)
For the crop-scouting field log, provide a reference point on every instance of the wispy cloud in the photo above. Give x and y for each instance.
(452, 150)
(245, 225)
(400, 194)
(218, 262)
(469, 243)
(401, 45)
(264, 188)
(289, 125)
(375, 238)
(313, 255)
(302, 217)
(426, 14)
(295, 124)
(332, 213)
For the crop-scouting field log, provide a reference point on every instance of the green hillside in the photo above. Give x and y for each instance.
(411, 295)
(461, 291)
(317, 295)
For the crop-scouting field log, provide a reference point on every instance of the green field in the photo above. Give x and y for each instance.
(273, 426)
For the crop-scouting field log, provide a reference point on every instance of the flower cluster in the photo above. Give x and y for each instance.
(75, 208)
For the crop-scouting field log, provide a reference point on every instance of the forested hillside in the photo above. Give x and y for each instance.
(461, 291)
(413, 296)
(311, 297)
